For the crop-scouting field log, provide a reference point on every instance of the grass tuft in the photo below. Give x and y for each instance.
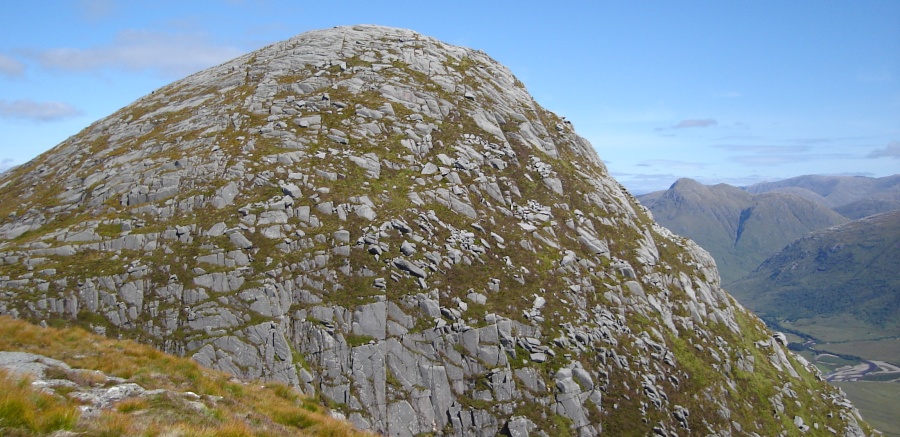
(244, 409)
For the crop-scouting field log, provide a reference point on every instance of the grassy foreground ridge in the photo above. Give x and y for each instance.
(216, 404)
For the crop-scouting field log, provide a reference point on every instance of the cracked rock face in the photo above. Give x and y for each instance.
(393, 224)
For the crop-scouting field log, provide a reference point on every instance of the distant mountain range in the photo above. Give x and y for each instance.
(843, 276)
(738, 228)
(840, 192)
(741, 227)
(816, 254)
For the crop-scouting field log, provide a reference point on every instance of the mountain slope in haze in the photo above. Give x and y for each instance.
(852, 196)
(866, 207)
(738, 228)
(845, 275)
(393, 225)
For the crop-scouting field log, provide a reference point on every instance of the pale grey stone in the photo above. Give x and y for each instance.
(407, 266)
(555, 185)
(342, 236)
(216, 230)
(370, 163)
(429, 169)
(429, 307)
(538, 357)
(292, 190)
(213, 258)
(407, 249)
(402, 420)
(520, 426)
(239, 240)
(366, 212)
(371, 320)
(24, 363)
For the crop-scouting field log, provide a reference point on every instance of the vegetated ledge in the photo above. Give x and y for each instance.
(70, 381)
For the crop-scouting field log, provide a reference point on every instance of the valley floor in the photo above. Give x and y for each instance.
(868, 372)
(878, 402)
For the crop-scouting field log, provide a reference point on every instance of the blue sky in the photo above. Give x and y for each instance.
(733, 92)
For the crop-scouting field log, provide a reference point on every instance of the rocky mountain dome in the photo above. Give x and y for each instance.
(392, 224)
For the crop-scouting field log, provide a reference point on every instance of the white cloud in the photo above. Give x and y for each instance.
(10, 67)
(6, 164)
(171, 54)
(37, 111)
(694, 122)
(892, 150)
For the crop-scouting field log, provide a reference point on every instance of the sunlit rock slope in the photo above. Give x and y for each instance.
(394, 225)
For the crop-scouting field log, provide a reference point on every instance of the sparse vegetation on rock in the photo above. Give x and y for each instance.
(393, 225)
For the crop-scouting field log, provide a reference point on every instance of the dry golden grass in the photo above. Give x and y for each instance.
(245, 409)
(29, 411)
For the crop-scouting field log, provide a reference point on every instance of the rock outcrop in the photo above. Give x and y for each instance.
(393, 224)
(68, 382)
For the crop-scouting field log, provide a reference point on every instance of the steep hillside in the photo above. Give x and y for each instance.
(840, 276)
(739, 229)
(866, 207)
(839, 191)
(393, 225)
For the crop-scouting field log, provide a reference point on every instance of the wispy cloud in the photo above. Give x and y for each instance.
(830, 140)
(768, 155)
(689, 123)
(813, 140)
(6, 164)
(170, 54)
(767, 160)
(762, 149)
(892, 150)
(37, 111)
(642, 183)
(96, 10)
(673, 165)
(695, 122)
(778, 159)
(10, 67)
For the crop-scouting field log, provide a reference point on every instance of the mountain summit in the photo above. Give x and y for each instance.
(392, 224)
